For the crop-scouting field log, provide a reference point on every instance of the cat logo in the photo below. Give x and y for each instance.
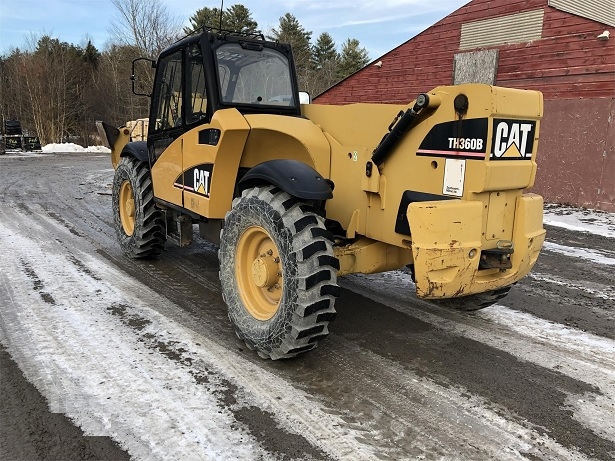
(196, 179)
(513, 139)
(201, 182)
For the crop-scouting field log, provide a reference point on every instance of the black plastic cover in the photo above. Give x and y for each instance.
(293, 177)
(402, 226)
(136, 149)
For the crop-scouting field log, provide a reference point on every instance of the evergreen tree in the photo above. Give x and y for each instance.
(324, 51)
(325, 64)
(353, 58)
(235, 18)
(204, 17)
(290, 31)
(91, 55)
(238, 18)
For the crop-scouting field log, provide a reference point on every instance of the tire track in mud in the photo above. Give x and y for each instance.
(302, 414)
(582, 388)
(590, 288)
(521, 390)
(551, 300)
(73, 401)
(593, 373)
(360, 423)
(251, 417)
(569, 290)
(38, 285)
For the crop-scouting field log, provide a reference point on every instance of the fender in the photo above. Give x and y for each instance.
(293, 177)
(136, 149)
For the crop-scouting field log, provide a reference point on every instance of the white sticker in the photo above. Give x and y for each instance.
(454, 175)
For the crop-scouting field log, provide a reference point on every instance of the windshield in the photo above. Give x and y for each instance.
(253, 75)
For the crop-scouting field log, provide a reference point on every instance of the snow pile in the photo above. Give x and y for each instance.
(71, 147)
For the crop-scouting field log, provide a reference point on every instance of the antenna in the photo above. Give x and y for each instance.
(221, 10)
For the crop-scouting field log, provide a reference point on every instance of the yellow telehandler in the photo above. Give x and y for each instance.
(299, 194)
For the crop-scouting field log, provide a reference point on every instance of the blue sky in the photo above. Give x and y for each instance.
(380, 25)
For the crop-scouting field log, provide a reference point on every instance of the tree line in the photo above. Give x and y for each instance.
(59, 89)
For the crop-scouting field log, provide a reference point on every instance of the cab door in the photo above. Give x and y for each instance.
(200, 141)
(213, 144)
(166, 127)
(186, 139)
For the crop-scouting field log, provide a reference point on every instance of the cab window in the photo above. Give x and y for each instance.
(253, 75)
(168, 99)
(197, 110)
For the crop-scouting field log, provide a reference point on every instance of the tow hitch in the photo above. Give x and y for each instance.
(497, 258)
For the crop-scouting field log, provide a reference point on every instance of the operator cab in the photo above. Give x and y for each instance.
(219, 69)
(213, 70)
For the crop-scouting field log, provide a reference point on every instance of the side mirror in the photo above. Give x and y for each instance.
(133, 77)
(304, 97)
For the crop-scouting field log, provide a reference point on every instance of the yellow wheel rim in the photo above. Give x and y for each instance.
(127, 208)
(258, 272)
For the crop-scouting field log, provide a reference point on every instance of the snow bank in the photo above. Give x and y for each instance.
(70, 147)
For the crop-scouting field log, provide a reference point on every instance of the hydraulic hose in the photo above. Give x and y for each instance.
(398, 128)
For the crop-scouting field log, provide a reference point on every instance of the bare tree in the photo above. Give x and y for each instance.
(13, 96)
(53, 78)
(117, 103)
(145, 24)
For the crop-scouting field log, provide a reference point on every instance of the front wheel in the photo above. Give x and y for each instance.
(278, 273)
(139, 225)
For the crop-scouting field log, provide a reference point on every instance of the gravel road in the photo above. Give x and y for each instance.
(103, 357)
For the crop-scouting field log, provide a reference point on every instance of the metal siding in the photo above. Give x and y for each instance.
(513, 28)
(600, 11)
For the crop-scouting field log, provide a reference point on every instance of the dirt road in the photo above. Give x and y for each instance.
(141, 355)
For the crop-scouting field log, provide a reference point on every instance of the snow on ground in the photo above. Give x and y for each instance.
(77, 347)
(87, 329)
(580, 219)
(64, 148)
(71, 147)
(582, 253)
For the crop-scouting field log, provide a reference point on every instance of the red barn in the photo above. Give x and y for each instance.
(564, 48)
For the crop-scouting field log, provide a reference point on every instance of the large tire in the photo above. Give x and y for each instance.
(474, 302)
(278, 273)
(139, 225)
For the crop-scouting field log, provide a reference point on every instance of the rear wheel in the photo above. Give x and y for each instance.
(278, 273)
(139, 225)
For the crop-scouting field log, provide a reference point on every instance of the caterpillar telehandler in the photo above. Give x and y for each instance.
(298, 195)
